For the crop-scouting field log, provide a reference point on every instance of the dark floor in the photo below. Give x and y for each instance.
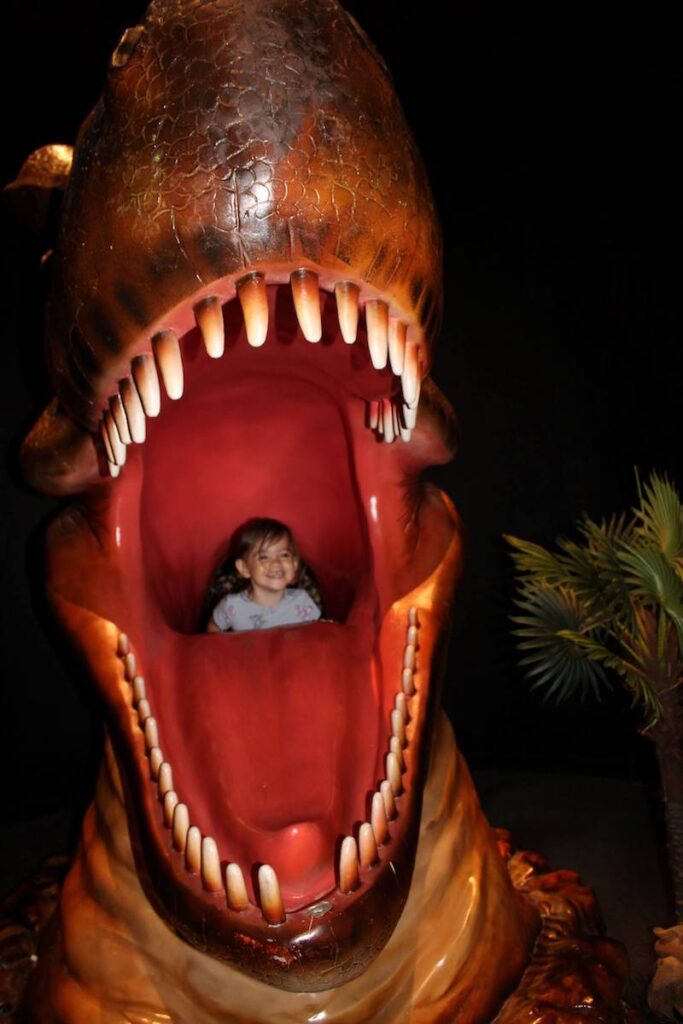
(606, 829)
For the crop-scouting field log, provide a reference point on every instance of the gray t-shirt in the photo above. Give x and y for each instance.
(238, 612)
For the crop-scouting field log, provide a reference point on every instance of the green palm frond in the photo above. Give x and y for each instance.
(552, 619)
(654, 582)
(545, 568)
(660, 517)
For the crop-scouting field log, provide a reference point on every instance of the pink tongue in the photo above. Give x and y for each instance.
(273, 738)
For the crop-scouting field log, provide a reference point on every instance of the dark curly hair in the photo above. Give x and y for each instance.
(254, 535)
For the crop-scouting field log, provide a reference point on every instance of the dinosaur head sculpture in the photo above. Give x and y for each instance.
(246, 292)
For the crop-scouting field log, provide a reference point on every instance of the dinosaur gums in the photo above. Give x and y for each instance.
(246, 292)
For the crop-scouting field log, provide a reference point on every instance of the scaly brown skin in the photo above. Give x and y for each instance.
(239, 142)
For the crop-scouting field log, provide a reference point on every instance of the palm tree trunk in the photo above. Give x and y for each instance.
(667, 735)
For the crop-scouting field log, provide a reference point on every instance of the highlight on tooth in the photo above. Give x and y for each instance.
(193, 849)
(306, 295)
(346, 295)
(139, 689)
(398, 726)
(387, 421)
(108, 450)
(387, 794)
(394, 773)
(373, 414)
(349, 878)
(396, 748)
(409, 657)
(209, 316)
(409, 417)
(238, 898)
(169, 362)
(170, 803)
(122, 645)
(118, 449)
(401, 705)
(411, 636)
(120, 421)
(165, 779)
(156, 759)
(113, 469)
(151, 733)
(146, 381)
(144, 711)
(412, 617)
(379, 818)
(211, 866)
(251, 291)
(135, 414)
(397, 345)
(129, 666)
(181, 824)
(269, 893)
(377, 327)
(408, 682)
(367, 845)
(410, 378)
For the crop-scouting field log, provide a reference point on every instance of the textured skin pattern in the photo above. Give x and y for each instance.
(233, 135)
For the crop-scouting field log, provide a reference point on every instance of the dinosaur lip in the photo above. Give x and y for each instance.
(273, 778)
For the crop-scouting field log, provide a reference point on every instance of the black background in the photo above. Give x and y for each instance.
(552, 145)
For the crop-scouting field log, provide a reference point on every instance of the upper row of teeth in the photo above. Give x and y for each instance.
(139, 395)
(200, 852)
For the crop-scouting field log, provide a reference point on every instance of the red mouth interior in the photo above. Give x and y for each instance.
(276, 738)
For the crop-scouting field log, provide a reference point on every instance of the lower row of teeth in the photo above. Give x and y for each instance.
(139, 395)
(201, 852)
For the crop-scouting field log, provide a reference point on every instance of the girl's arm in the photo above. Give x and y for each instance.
(212, 627)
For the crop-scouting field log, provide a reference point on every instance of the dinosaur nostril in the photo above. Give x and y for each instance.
(128, 42)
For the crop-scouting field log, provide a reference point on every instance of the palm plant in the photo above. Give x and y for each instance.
(611, 605)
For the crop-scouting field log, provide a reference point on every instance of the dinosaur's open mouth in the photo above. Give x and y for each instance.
(273, 778)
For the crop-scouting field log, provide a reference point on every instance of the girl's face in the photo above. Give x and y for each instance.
(271, 568)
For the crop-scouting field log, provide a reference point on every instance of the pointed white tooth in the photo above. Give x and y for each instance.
(209, 316)
(348, 865)
(211, 865)
(402, 705)
(139, 688)
(409, 657)
(411, 636)
(251, 291)
(373, 415)
(388, 421)
(412, 617)
(394, 773)
(147, 383)
(306, 296)
(388, 800)
(405, 433)
(144, 711)
(170, 802)
(120, 421)
(378, 818)
(269, 892)
(395, 421)
(411, 374)
(108, 450)
(397, 345)
(409, 417)
(135, 414)
(408, 682)
(346, 295)
(165, 779)
(193, 849)
(181, 823)
(238, 898)
(169, 363)
(156, 759)
(151, 733)
(122, 645)
(129, 667)
(398, 726)
(367, 845)
(377, 326)
(117, 447)
(380, 419)
(113, 469)
(396, 748)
